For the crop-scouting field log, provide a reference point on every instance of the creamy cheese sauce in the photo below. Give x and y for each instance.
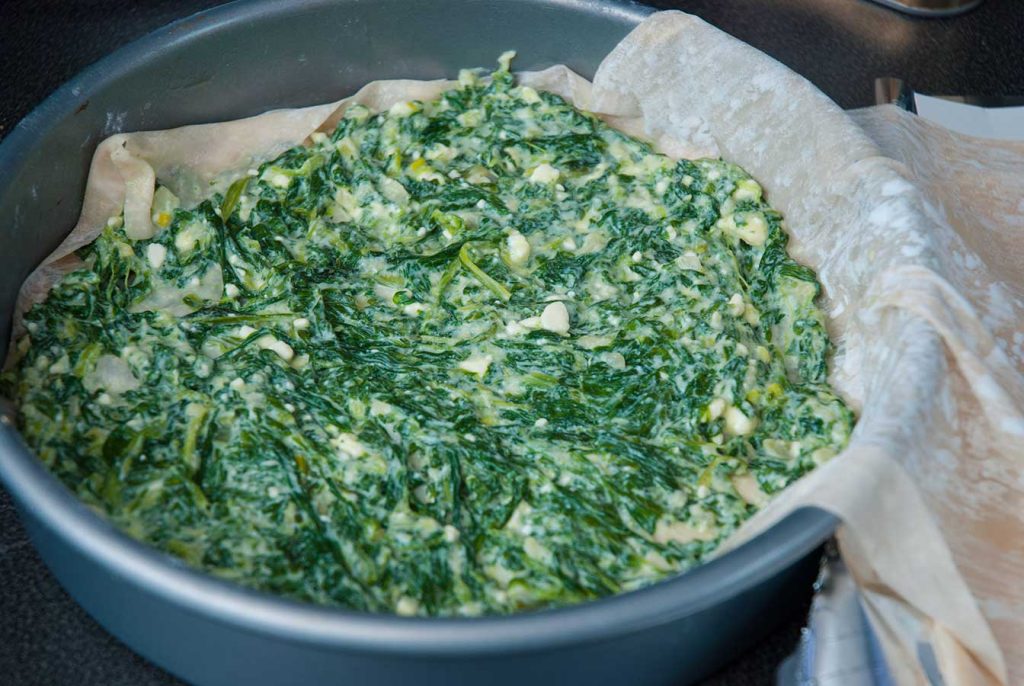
(465, 356)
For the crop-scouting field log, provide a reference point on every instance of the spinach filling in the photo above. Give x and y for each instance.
(466, 356)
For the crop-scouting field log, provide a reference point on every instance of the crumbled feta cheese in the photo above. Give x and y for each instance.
(276, 178)
(736, 305)
(715, 408)
(155, 255)
(690, 262)
(348, 444)
(544, 173)
(279, 347)
(529, 95)
(737, 423)
(614, 360)
(591, 341)
(753, 229)
(518, 248)
(403, 109)
(407, 607)
(476, 364)
(555, 318)
(747, 189)
(414, 309)
(61, 366)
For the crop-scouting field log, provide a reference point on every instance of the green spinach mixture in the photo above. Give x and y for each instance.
(467, 356)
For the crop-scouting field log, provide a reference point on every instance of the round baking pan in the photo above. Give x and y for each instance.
(241, 59)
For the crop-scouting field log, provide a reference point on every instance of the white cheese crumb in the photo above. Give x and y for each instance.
(237, 384)
(754, 230)
(736, 305)
(569, 244)
(414, 309)
(689, 261)
(591, 341)
(187, 238)
(476, 364)
(529, 95)
(671, 530)
(749, 489)
(349, 444)
(533, 548)
(275, 178)
(403, 109)
(518, 248)
(737, 423)
(637, 256)
(747, 189)
(407, 606)
(301, 324)
(614, 360)
(541, 423)
(231, 290)
(555, 318)
(280, 348)
(716, 408)
(155, 255)
(544, 173)
(346, 147)
(385, 293)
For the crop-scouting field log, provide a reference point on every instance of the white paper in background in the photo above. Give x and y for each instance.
(1006, 123)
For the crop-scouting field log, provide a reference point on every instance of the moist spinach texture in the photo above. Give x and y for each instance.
(466, 356)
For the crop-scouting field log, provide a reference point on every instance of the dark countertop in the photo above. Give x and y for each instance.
(840, 45)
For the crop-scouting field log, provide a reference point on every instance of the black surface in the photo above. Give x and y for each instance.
(840, 45)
